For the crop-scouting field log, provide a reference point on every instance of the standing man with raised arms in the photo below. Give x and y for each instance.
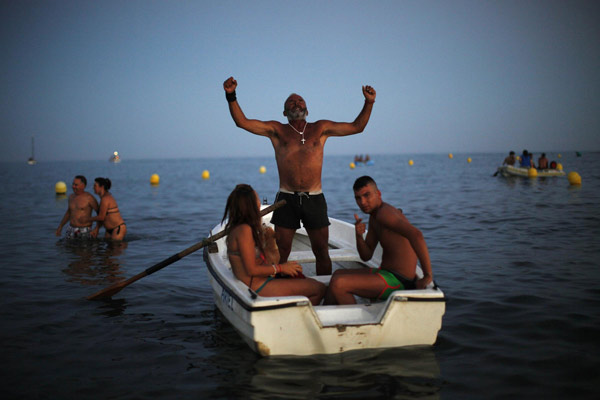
(298, 149)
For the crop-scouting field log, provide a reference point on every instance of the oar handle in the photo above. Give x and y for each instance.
(205, 242)
(116, 287)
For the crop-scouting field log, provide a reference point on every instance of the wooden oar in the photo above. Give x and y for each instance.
(118, 286)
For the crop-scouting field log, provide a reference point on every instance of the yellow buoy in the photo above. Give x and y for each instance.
(469, 160)
(559, 155)
(574, 178)
(410, 162)
(262, 169)
(205, 174)
(352, 165)
(154, 179)
(60, 187)
(559, 167)
(532, 173)
(450, 155)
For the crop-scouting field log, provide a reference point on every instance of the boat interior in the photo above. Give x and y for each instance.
(364, 311)
(343, 255)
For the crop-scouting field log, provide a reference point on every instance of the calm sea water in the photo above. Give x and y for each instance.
(518, 260)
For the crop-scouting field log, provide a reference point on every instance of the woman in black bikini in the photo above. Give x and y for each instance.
(246, 252)
(108, 213)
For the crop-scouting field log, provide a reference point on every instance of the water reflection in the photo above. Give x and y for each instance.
(382, 373)
(94, 262)
(360, 374)
(510, 181)
(543, 181)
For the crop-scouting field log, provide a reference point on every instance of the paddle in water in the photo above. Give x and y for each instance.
(118, 286)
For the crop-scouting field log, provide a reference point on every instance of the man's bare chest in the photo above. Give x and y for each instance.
(80, 204)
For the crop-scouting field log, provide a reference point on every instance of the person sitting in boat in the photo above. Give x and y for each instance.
(109, 214)
(246, 252)
(510, 160)
(553, 165)
(543, 162)
(531, 158)
(526, 161)
(80, 207)
(402, 245)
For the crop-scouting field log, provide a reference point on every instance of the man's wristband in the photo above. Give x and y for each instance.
(369, 102)
(230, 97)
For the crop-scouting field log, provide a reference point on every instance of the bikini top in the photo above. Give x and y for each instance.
(237, 253)
(257, 251)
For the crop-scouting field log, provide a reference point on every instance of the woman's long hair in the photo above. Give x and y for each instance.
(241, 208)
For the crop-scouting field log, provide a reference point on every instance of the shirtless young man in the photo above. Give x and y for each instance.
(402, 245)
(79, 211)
(510, 160)
(298, 149)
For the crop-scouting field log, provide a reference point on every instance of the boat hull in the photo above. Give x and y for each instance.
(290, 325)
(509, 170)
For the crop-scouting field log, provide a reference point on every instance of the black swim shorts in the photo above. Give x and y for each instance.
(311, 209)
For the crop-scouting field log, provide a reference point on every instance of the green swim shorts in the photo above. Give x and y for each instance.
(393, 281)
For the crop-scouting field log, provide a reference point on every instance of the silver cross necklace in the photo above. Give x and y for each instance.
(300, 133)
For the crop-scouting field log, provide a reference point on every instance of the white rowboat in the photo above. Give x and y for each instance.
(290, 325)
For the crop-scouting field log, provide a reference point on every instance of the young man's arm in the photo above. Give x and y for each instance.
(401, 225)
(364, 246)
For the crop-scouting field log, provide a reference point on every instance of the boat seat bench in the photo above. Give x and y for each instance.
(334, 254)
(324, 279)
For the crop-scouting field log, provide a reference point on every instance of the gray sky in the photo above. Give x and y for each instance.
(145, 78)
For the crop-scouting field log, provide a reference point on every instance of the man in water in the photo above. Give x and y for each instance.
(298, 149)
(402, 245)
(79, 211)
(510, 160)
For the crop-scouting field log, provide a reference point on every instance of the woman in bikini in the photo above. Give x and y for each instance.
(108, 213)
(245, 249)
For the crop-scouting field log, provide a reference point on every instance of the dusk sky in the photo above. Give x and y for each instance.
(86, 78)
